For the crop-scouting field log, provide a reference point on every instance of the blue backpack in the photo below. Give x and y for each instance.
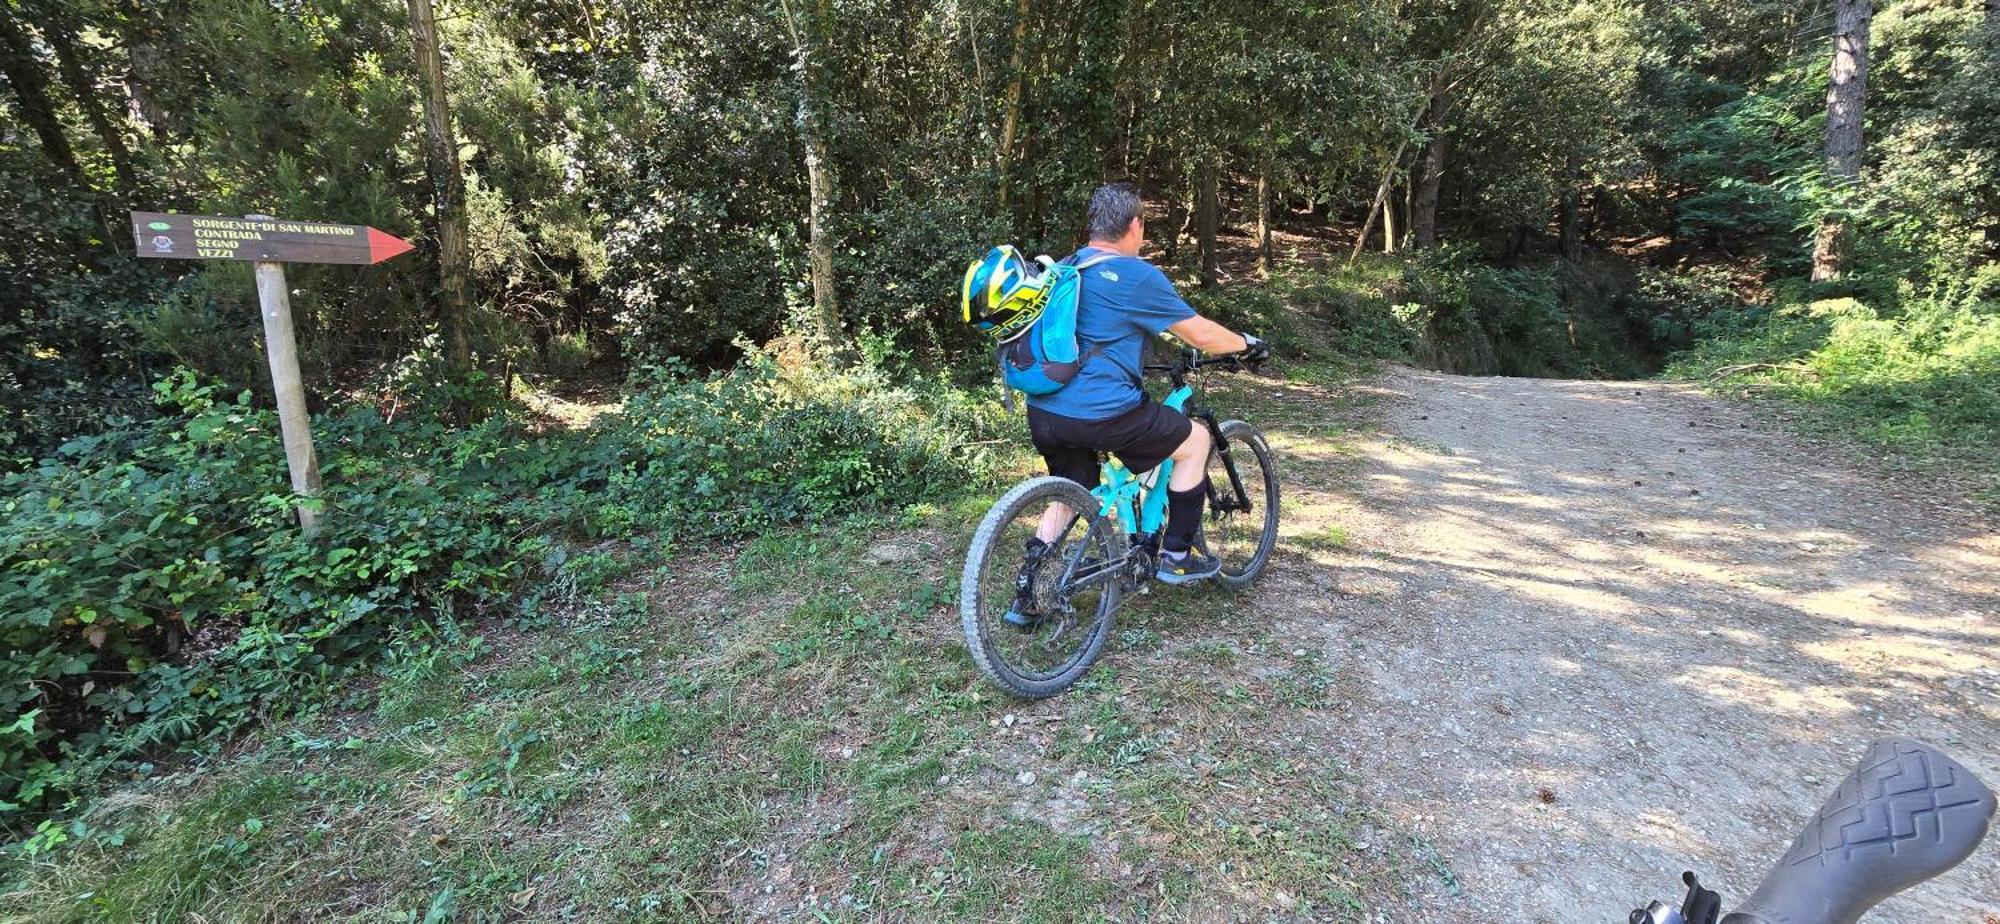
(1047, 355)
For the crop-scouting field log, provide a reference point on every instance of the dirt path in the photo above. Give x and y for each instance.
(1598, 633)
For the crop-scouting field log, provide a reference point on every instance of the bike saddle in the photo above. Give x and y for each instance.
(1905, 814)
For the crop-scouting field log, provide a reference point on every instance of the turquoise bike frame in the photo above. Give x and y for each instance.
(1119, 489)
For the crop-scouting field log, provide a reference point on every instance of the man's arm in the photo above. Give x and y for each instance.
(1207, 336)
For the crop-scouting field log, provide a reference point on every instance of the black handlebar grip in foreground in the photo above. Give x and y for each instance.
(1907, 813)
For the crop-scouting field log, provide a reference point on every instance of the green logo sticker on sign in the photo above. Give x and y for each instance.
(160, 226)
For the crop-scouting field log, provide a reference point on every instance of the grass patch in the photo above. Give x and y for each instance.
(1417, 444)
(1023, 872)
(1310, 684)
(624, 765)
(1332, 538)
(788, 727)
(1922, 382)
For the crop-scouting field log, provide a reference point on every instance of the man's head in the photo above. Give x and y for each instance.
(1114, 222)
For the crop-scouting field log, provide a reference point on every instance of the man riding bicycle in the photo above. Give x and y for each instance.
(1125, 301)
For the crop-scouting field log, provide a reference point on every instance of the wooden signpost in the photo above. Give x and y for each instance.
(271, 243)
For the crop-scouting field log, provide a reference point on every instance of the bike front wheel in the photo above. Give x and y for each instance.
(1036, 617)
(1241, 531)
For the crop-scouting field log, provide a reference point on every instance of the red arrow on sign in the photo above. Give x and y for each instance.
(382, 245)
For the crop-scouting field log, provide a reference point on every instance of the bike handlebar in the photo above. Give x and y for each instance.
(1191, 359)
(1905, 814)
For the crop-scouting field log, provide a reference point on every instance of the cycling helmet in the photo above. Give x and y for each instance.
(1003, 292)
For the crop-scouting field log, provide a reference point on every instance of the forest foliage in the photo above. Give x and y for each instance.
(1570, 187)
(636, 189)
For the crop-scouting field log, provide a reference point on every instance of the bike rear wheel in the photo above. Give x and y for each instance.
(1242, 540)
(1062, 599)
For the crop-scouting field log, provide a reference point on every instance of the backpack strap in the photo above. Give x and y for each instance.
(1000, 379)
(1102, 256)
(1090, 349)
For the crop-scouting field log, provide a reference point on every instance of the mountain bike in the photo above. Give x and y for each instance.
(1064, 592)
(1907, 813)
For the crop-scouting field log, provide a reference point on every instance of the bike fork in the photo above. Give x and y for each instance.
(1241, 501)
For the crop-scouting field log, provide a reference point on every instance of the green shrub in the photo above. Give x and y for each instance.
(209, 321)
(1445, 309)
(901, 266)
(154, 589)
(152, 584)
(1354, 300)
(1742, 161)
(1922, 376)
(1673, 306)
(1551, 320)
(782, 439)
(1523, 312)
(1589, 318)
(1351, 303)
(569, 354)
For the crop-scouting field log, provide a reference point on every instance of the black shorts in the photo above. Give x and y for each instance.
(1141, 438)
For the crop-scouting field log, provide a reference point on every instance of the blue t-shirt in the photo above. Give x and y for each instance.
(1125, 302)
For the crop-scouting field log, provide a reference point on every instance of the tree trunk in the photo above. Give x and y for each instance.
(826, 301)
(1176, 225)
(1602, 214)
(1437, 102)
(813, 130)
(1833, 249)
(447, 197)
(1016, 81)
(1389, 225)
(1381, 199)
(1403, 209)
(1264, 218)
(23, 71)
(1569, 229)
(1517, 246)
(61, 35)
(84, 87)
(1205, 209)
(1424, 195)
(145, 67)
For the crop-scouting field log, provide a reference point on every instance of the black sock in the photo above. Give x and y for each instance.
(1183, 518)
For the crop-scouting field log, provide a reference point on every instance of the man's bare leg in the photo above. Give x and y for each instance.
(1190, 460)
(1053, 521)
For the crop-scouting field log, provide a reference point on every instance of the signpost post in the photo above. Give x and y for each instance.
(271, 243)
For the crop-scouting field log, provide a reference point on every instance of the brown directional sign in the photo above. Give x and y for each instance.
(220, 237)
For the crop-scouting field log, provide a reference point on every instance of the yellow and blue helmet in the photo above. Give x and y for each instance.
(1003, 292)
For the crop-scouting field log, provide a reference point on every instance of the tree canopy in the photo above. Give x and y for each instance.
(637, 185)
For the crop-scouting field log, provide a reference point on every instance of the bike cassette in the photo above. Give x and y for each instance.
(1046, 589)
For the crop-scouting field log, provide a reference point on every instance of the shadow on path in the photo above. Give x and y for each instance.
(1599, 633)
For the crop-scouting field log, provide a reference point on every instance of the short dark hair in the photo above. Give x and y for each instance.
(1112, 208)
